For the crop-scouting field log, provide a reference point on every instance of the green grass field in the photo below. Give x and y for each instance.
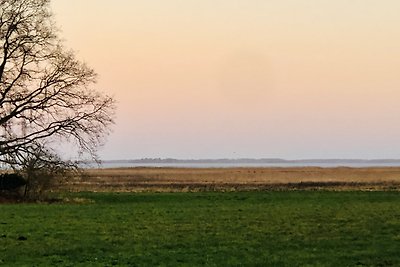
(292, 228)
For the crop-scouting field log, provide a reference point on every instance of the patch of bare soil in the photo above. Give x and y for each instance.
(9, 199)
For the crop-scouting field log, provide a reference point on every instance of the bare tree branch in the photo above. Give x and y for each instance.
(45, 92)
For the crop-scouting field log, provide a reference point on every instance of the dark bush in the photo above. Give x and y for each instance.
(11, 181)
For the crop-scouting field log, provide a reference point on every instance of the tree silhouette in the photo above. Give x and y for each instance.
(45, 93)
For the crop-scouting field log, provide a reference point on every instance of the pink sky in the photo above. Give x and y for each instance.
(224, 78)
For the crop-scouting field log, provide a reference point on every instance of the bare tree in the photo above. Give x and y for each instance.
(45, 92)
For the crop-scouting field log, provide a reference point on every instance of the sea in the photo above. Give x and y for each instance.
(239, 165)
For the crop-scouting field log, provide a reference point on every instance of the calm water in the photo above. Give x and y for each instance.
(233, 165)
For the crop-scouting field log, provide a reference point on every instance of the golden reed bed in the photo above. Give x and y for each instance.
(230, 179)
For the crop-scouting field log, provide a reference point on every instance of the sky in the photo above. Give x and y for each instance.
(289, 79)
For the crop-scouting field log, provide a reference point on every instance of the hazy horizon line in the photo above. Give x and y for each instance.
(248, 159)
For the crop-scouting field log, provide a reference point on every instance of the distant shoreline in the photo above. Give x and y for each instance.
(232, 163)
(252, 161)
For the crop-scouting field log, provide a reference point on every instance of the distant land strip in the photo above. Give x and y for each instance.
(250, 161)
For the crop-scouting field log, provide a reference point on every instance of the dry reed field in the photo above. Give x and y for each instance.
(231, 179)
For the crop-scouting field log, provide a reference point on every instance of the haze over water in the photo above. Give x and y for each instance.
(231, 79)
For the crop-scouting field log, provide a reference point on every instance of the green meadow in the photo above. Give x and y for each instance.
(278, 228)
